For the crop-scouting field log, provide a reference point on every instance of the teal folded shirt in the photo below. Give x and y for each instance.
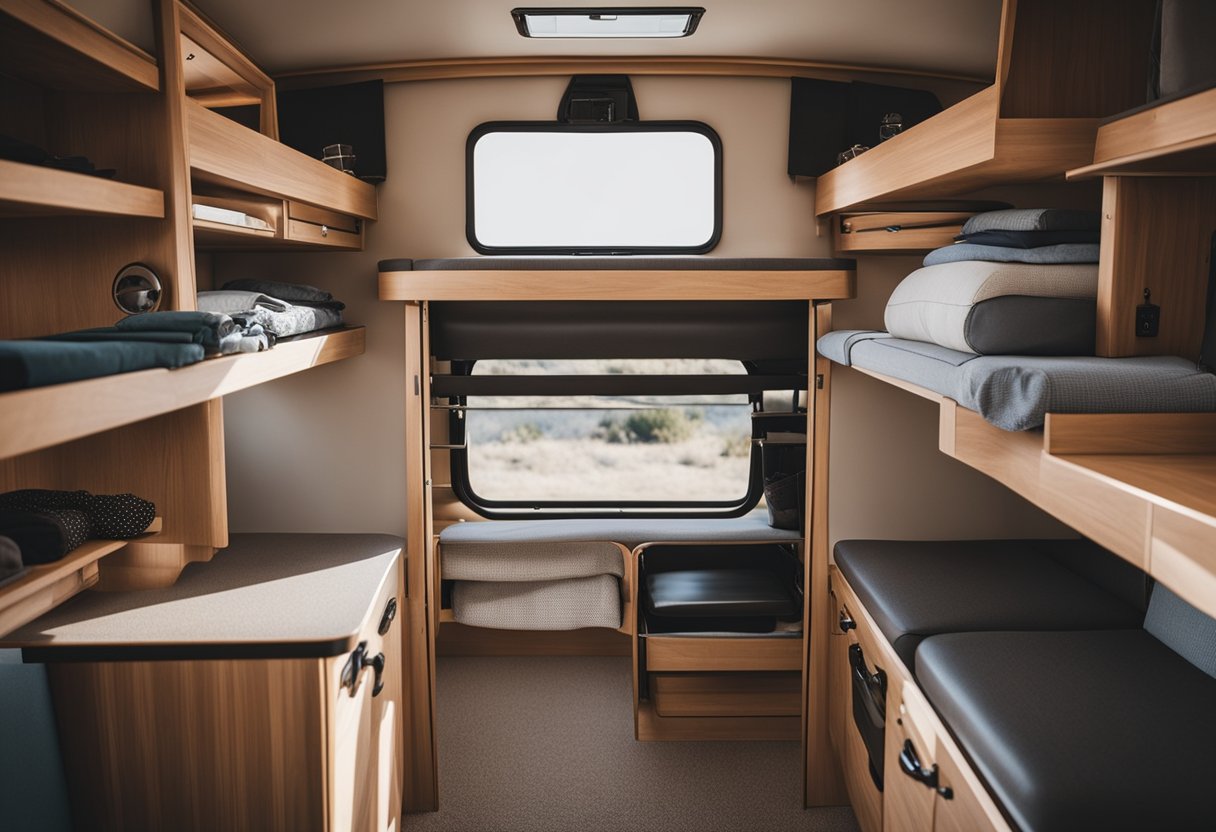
(41, 363)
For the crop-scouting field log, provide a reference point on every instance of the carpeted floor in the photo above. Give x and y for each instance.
(546, 745)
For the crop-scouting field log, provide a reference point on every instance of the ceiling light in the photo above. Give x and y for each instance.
(616, 22)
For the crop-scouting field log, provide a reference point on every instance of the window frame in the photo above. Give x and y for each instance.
(488, 127)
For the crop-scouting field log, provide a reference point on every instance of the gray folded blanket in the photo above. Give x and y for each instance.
(296, 293)
(1034, 219)
(10, 558)
(39, 363)
(1043, 255)
(1028, 239)
(295, 320)
(231, 301)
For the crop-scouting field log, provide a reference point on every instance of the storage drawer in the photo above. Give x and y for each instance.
(317, 226)
(690, 653)
(897, 233)
(726, 694)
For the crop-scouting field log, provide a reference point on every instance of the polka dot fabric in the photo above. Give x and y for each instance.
(109, 516)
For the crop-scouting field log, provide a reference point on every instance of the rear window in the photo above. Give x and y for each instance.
(552, 188)
(609, 451)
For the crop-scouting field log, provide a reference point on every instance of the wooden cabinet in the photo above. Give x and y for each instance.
(856, 644)
(261, 691)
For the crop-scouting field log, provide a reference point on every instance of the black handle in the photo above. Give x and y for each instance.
(909, 764)
(390, 612)
(846, 623)
(377, 664)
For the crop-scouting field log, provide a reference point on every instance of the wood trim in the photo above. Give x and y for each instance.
(42, 588)
(445, 69)
(29, 190)
(679, 653)
(726, 694)
(46, 416)
(91, 57)
(1130, 433)
(459, 640)
(908, 386)
(617, 284)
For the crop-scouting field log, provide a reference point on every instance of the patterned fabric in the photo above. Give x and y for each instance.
(44, 536)
(530, 561)
(1046, 255)
(1016, 392)
(296, 320)
(1182, 628)
(294, 293)
(539, 605)
(10, 558)
(109, 516)
(1034, 219)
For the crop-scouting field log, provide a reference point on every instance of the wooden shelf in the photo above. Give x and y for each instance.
(31, 190)
(1141, 484)
(962, 149)
(1174, 138)
(41, 588)
(225, 153)
(51, 44)
(39, 418)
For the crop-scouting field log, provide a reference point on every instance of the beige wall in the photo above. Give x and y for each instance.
(324, 451)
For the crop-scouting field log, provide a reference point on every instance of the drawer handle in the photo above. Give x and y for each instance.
(325, 231)
(909, 764)
(358, 662)
(386, 620)
(846, 623)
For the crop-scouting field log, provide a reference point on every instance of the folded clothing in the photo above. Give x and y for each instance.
(110, 516)
(10, 558)
(44, 536)
(296, 320)
(998, 308)
(1042, 255)
(296, 293)
(38, 363)
(1034, 219)
(206, 328)
(232, 301)
(1028, 239)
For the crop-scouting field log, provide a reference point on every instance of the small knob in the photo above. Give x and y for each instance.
(325, 231)
(846, 623)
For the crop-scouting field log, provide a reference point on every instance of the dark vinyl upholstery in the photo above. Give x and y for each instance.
(1106, 730)
(724, 593)
(915, 589)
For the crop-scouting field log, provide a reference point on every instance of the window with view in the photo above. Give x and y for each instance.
(645, 452)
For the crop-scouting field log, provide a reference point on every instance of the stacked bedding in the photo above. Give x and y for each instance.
(281, 309)
(1003, 322)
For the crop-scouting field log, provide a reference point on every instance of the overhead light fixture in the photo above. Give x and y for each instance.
(615, 22)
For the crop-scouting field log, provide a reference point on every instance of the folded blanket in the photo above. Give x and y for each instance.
(296, 320)
(109, 516)
(296, 293)
(44, 536)
(110, 333)
(231, 301)
(1028, 239)
(1034, 219)
(1043, 255)
(39, 363)
(10, 558)
(206, 328)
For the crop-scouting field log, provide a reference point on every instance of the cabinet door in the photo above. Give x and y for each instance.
(365, 727)
(838, 678)
(864, 794)
(961, 805)
(907, 802)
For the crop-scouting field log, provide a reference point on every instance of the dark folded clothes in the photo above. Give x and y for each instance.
(10, 558)
(110, 333)
(206, 328)
(1028, 239)
(296, 293)
(39, 363)
(1034, 219)
(111, 516)
(44, 536)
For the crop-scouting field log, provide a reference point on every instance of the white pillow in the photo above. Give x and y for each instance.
(934, 303)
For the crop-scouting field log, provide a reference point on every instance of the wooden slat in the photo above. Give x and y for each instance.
(695, 653)
(1176, 137)
(1130, 433)
(443, 69)
(31, 190)
(69, 51)
(615, 284)
(45, 416)
(42, 588)
(226, 153)
(651, 726)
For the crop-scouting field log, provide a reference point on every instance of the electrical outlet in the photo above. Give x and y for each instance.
(1148, 317)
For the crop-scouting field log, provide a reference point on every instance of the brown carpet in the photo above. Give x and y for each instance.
(546, 745)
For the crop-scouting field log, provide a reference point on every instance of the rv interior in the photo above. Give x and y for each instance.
(453, 416)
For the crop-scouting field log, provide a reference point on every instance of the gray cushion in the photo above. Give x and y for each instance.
(530, 561)
(630, 533)
(1034, 219)
(1016, 392)
(915, 589)
(1184, 629)
(620, 263)
(1048, 255)
(1017, 325)
(1105, 730)
(719, 593)
(539, 605)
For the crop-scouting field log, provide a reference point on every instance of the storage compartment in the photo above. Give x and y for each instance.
(897, 232)
(317, 226)
(733, 694)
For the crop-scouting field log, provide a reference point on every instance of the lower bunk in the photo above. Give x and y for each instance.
(1030, 685)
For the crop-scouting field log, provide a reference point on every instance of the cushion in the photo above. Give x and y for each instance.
(1028, 239)
(719, 593)
(1183, 628)
(568, 604)
(1034, 219)
(915, 589)
(935, 303)
(523, 561)
(624, 263)
(1048, 255)
(1102, 730)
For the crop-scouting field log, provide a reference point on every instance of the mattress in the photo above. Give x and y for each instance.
(1016, 392)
